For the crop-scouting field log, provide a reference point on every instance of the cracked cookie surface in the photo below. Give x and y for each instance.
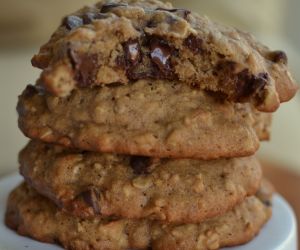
(126, 40)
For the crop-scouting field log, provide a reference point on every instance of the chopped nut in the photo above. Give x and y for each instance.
(201, 242)
(46, 133)
(142, 182)
(199, 176)
(175, 178)
(165, 175)
(158, 183)
(198, 186)
(97, 166)
(229, 186)
(127, 190)
(212, 241)
(160, 203)
(80, 228)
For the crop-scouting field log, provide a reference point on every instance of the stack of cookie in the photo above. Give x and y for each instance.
(144, 123)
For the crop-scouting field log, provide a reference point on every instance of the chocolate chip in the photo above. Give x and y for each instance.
(248, 84)
(147, 57)
(132, 51)
(194, 43)
(107, 7)
(279, 57)
(161, 54)
(85, 67)
(241, 85)
(72, 22)
(91, 197)
(181, 12)
(226, 67)
(90, 17)
(140, 164)
(151, 24)
(114, 85)
(267, 203)
(30, 91)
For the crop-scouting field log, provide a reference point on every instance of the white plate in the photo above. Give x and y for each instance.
(278, 234)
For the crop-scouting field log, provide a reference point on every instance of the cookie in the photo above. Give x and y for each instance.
(94, 184)
(33, 215)
(126, 40)
(149, 118)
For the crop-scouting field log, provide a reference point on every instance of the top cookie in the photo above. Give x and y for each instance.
(127, 40)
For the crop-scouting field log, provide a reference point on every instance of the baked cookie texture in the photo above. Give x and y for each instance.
(126, 40)
(149, 118)
(90, 184)
(33, 215)
(145, 122)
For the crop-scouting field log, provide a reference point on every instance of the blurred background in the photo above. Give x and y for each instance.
(25, 25)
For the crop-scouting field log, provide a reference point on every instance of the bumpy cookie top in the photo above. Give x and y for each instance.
(28, 213)
(126, 40)
(88, 184)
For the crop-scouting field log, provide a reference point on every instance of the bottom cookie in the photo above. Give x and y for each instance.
(32, 215)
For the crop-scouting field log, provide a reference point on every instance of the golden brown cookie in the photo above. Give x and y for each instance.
(149, 118)
(126, 40)
(94, 184)
(33, 215)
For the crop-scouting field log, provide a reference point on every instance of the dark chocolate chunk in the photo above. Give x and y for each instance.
(114, 85)
(132, 51)
(90, 17)
(181, 12)
(140, 164)
(153, 61)
(161, 54)
(107, 7)
(267, 203)
(85, 67)
(248, 84)
(72, 22)
(194, 43)
(30, 91)
(92, 197)
(242, 84)
(151, 24)
(225, 67)
(279, 57)
(219, 96)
